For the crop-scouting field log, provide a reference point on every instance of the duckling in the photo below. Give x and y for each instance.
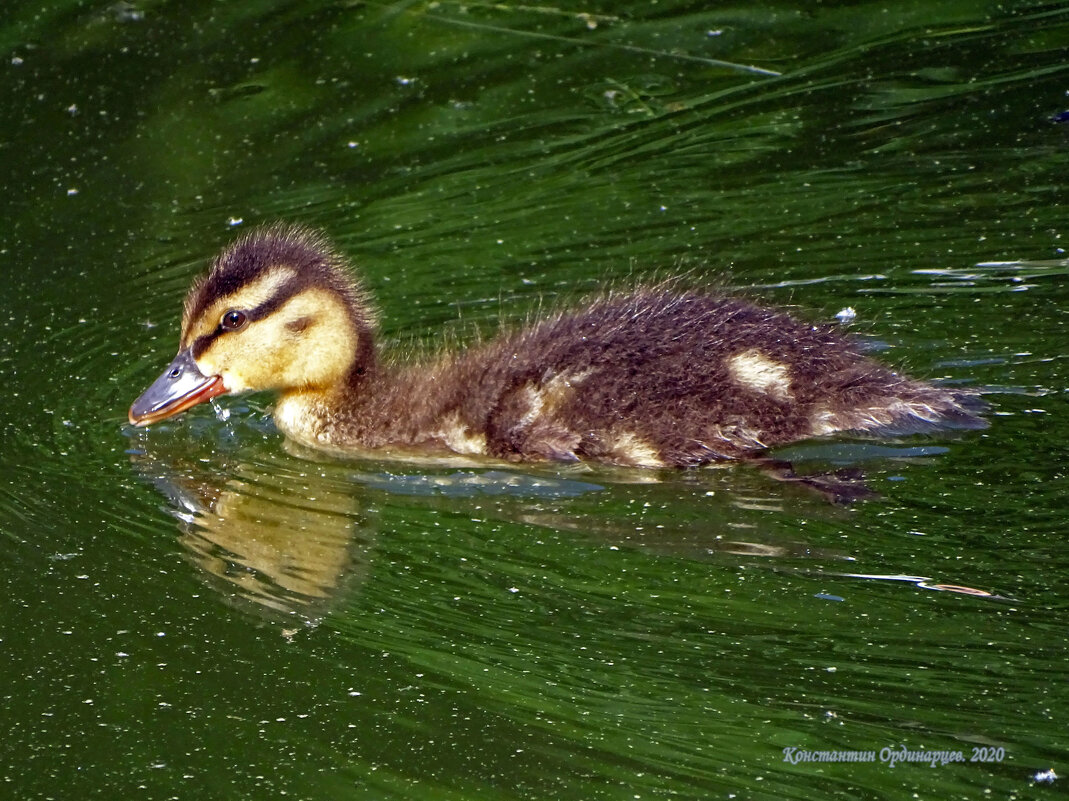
(653, 377)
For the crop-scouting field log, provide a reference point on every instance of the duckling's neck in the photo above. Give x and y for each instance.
(377, 407)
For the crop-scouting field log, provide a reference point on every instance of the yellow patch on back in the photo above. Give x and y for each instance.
(629, 449)
(824, 421)
(543, 400)
(459, 438)
(753, 370)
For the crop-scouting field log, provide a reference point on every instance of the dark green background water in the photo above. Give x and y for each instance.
(198, 611)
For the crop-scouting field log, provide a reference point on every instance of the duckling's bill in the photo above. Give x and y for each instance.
(181, 386)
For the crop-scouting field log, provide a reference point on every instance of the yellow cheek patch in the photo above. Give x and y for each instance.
(248, 297)
(307, 343)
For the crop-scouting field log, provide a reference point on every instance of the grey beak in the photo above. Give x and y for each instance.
(181, 386)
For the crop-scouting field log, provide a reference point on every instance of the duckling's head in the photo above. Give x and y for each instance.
(278, 310)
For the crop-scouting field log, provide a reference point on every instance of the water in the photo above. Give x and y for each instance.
(201, 610)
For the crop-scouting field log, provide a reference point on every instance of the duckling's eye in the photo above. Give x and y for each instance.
(233, 320)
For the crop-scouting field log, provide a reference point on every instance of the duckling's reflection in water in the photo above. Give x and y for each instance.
(283, 546)
(287, 538)
(276, 548)
(287, 535)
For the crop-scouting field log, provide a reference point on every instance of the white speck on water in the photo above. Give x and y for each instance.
(127, 12)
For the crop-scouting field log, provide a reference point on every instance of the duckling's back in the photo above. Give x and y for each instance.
(664, 378)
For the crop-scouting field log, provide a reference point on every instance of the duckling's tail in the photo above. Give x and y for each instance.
(904, 407)
(930, 408)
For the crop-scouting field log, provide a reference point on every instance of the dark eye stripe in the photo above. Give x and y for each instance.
(272, 304)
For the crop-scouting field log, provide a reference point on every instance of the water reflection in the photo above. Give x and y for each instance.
(287, 538)
(282, 545)
(927, 583)
(288, 534)
(272, 547)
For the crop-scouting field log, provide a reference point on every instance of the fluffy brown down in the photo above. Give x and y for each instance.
(644, 378)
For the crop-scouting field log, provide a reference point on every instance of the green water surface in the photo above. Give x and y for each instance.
(201, 611)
